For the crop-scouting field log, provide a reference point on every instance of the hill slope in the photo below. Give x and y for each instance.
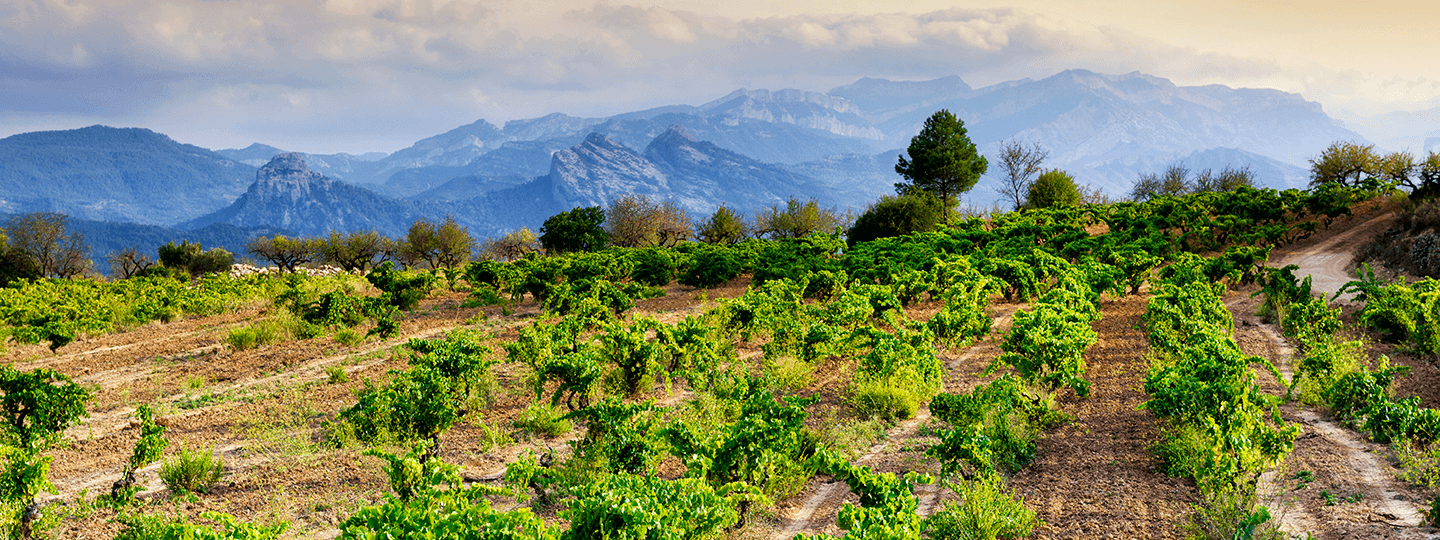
(114, 174)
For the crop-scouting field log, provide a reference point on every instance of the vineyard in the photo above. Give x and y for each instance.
(1138, 370)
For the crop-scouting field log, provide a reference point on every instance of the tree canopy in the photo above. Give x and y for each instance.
(943, 160)
(581, 229)
(897, 216)
(1053, 188)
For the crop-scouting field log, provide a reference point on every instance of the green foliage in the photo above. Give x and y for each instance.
(148, 449)
(1047, 345)
(625, 507)
(37, 406)
(60, 310)
(942, 160)
(1053, 188)
(987, 510)
(654, 267)
(1232, 514)
(192, 471)
(887, 503)
(254, 335)
(154, 527)
(597, 297)
(1203, 386)
(421, 403)
(993, 428)
(711, 267)
(194, 260)
(544, 420)
(580, 229)
(403, 290)
(797, 219)
(618, 436)
(419, 509)
(897, 216)
(766, 445)
(723, 227)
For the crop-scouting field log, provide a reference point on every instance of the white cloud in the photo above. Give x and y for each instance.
(270, 69)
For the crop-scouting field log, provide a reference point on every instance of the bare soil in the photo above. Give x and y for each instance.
(264, 410)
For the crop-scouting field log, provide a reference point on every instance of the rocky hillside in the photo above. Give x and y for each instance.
(114, 174)
(287, 194)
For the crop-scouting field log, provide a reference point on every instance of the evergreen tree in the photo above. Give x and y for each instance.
(943, 160)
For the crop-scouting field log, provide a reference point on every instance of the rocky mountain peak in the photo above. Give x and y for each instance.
(675, 135)
(288, 174)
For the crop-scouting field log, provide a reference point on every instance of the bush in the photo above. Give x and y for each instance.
(654, 267)
(153, 527)
(897, 216)
(253, 336)
(987, 510)
(711, 268)
(192, 471)
(889, 403)
(1053, 188)
(580, 229)
(543, 420)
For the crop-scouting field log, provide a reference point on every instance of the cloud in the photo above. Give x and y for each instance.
(276, 68)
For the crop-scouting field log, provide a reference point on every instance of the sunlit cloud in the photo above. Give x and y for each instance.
(313, 76)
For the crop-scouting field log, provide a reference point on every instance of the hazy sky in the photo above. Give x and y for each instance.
(365, 75)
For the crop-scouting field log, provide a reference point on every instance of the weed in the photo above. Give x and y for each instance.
(989, 510)
(1232, 514)
(1330, 499)
(337, 374)
(787, 372)
(851, 437)
(348, 337)
(192, 471)
(188, 403)
(542, 420)
(197, 382)
(255, 335)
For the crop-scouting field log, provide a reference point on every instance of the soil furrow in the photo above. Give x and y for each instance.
(1096, 477)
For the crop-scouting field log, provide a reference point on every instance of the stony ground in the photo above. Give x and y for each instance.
(264, 410)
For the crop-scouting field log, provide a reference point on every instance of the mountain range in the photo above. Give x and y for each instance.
(748, 149)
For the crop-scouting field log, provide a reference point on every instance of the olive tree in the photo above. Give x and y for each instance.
(356, 251)
(638, 221)
(285, 252)
(723, 227)
(42, 240)
(798, 219)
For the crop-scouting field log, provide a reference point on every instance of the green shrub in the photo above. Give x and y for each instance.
(153, 527)
(879, 400)
(253, 336)
(787, 372)
(544, 420)
(654, 267)
(192, 471)
(710, 268)
(337, 375)
(916, 212)
(1053, 188)
(1232, 514)
(148, 450)
(987, 510)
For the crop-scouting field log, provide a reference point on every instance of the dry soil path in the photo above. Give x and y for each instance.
(1327, 260)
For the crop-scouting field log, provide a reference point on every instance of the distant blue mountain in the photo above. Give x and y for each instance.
(114, 174)
(749, 148)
